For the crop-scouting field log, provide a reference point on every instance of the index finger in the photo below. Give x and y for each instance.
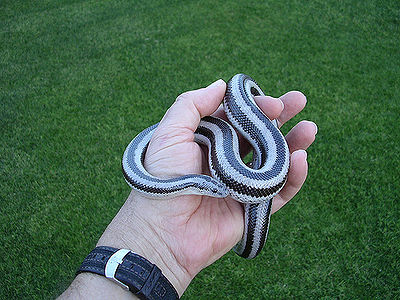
(293, 102)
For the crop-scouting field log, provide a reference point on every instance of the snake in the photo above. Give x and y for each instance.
(254, 184)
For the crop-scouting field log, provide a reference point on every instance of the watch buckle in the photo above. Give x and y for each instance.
(112, 264)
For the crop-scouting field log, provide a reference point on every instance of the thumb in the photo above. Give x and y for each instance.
(171, 146)
(191, 106)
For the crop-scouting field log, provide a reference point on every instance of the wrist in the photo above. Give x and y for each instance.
(130, 231)
(93, 286)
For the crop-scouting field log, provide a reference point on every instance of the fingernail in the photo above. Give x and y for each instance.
(282, 105)
(316, 127)
(219, 82)
(303, 151)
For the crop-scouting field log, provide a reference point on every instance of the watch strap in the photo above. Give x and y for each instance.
(131, 271)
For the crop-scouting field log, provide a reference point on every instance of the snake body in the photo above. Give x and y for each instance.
(254, 186)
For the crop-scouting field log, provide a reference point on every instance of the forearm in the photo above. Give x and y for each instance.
(129, 231)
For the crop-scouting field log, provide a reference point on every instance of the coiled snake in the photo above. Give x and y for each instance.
(254, 186)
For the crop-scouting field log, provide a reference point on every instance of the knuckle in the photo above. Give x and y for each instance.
(184, 96)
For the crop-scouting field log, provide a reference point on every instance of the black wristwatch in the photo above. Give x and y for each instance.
(131, 271)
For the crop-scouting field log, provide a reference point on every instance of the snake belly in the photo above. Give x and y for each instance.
(254, 186)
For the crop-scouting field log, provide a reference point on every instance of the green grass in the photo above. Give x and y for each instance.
(80, 78)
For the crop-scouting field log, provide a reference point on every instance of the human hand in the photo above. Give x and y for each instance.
(187, 233)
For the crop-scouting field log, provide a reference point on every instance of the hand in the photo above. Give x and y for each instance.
(187, 233)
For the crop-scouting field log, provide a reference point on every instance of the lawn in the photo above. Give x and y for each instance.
(79, 79)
